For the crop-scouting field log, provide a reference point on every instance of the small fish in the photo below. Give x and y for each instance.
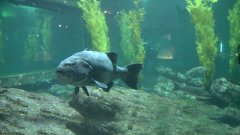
(88, 67)
(238, 54)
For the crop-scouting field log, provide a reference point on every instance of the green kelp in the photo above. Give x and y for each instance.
(37, 45)
(202, 17)
(1, 46)
(46, 33)
(126, 36)
(31, 45)
(2, 61)
(130, 28)
(95, 24)
(234, 24)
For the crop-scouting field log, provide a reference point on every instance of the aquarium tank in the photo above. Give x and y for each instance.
(120, 67)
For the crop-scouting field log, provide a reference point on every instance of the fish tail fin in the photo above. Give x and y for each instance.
(132, 76)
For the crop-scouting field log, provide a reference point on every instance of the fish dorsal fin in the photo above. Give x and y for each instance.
(113, 57)
(88, 49)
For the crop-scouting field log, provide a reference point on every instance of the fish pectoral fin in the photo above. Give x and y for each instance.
(99, 84)
(85, 90)
(109, 87)
(88, 49)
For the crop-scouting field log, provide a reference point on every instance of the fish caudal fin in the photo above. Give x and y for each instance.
(132, 76)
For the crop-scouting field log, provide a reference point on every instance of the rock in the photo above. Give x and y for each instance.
(225, 92)
(169, 73)
(197, 82)
(196, 92)
(164, 86)
(117, 112)
(195, 76)
(169, 88)
(64, 92)
(128, 112)
(98, 111)
(196, 72)
(188, 85)
(231, 116)
(18, 80)
(235, 131)
(26, 113)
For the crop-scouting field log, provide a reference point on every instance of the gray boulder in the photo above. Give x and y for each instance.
(164, 86)
(120, 111)
(225, 91)
(195, 76)
(26, 113)
(189, 85)
(170, 74)
(125, 111)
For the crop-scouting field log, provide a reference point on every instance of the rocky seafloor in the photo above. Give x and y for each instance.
(123, 111)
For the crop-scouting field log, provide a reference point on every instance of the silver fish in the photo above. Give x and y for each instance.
(88, 67)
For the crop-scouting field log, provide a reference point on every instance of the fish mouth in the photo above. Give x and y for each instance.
(59, 71)
(62, 75)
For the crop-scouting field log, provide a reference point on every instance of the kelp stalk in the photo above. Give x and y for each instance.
(130, 28)
(95, 24)
(202, 17)
(234, 24)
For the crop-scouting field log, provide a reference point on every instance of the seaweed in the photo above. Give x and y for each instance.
(31, 45)
(131, 43)
(126, 35)
(202, 17)
(37, 45)
(2, 60)
(234, 42)
(95, 24)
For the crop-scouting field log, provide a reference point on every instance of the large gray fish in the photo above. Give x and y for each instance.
(90, 67)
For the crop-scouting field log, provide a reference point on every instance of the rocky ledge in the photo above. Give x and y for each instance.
(120, 111)
(27, 113)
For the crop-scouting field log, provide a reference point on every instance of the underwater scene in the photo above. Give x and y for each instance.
(120, 67)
